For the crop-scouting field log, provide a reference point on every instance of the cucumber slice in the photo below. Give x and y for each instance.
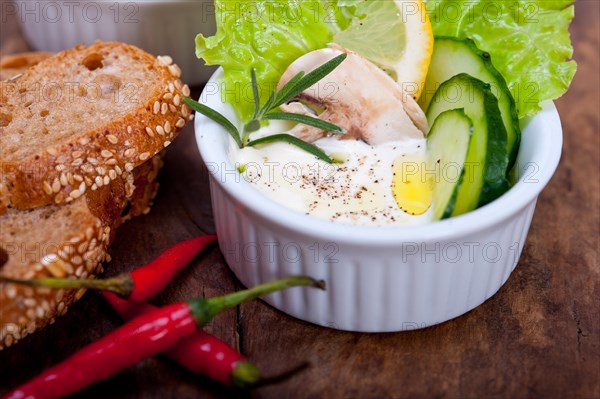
(485, 167)
(452, 56)
(447, 145)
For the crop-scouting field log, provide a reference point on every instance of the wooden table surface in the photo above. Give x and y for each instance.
(539, 336)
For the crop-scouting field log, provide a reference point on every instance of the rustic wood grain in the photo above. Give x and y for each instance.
(539, 336)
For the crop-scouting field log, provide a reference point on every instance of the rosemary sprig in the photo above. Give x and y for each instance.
(217, 117)
(283, 93)
(291, 89)
(288, 138)
(255, 93)
(306, 81)
(307, 120)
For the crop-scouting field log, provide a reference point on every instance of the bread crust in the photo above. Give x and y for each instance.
(146, 187)
(63, 172)
(15, 64)
(93, 219)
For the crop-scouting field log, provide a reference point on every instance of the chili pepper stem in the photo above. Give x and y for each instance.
(205, 309)
(139, 285)
(121, 284)
(244, 374)
(146, 335)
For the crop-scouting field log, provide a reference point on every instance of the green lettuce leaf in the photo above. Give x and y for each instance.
(266, 35)
(528, 41)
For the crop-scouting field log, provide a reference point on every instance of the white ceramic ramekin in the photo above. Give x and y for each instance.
(161, 27)
(379, 279)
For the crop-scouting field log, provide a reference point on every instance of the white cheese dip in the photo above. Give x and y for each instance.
(357, 191)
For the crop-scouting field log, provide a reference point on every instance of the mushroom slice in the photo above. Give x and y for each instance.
(357, 96)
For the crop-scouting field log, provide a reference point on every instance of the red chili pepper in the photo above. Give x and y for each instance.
(123, 348)
(142, 283)
(142, 337)
(200, 352)
(154, 277)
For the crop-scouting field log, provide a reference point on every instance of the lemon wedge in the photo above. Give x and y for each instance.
(394, 35)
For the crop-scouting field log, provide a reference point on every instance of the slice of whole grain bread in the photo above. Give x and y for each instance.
(77, 234)
(76, 121)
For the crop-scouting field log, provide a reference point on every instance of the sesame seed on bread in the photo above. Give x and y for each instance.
(77, 233)
(76, 121)
(146, 187)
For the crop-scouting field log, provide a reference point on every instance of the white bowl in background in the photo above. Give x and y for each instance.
(161, 27)
(379, 279)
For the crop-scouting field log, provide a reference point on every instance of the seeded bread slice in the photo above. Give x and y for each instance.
(77, 233)
(10, 67)
(77, 120)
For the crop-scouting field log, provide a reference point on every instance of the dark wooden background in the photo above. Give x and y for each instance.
(539, 336)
